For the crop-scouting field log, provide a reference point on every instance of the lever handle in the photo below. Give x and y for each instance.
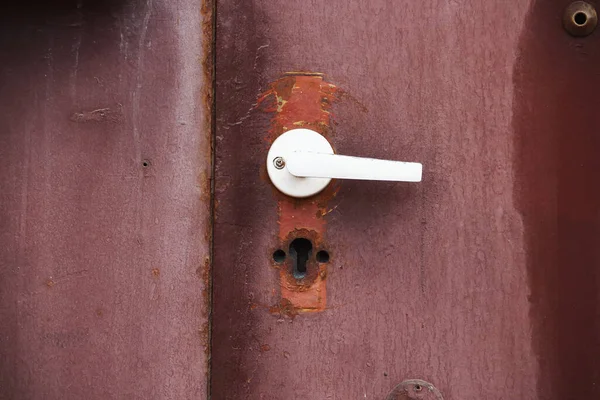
(307, 164)
(301, 163)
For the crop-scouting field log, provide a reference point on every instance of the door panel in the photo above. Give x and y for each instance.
(555, 122)
(482, 279)
(459, 280)
(104, 200)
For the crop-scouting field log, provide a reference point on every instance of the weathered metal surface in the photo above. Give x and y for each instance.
(483, 278)
(415, 389)
(301, 100)
(556, 164)
(104, 199)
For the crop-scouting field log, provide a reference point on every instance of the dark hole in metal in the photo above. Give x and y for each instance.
(580, 18)
(146, 163)
(323, 256)
(300, 250)
(279, 256)
(418, 388)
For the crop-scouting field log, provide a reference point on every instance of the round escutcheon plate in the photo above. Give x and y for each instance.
(286, 143)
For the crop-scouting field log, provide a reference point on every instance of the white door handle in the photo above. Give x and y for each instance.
(320, 165)
(301, 163)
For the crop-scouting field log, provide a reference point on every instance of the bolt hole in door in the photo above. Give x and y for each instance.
(279, 256)
(300, 251)
(580, 18)
(322, 256)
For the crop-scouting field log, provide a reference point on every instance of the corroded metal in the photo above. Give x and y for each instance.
(415, 389)
(300, 100)
(580, 18)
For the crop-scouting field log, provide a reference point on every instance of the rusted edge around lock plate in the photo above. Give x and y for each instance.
(301, 100)
(208, 15)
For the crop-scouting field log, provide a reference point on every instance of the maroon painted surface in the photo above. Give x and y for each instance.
(557, 159)
(103, 260)
(482, 279)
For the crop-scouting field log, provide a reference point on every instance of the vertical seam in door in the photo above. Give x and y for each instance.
(212, 60)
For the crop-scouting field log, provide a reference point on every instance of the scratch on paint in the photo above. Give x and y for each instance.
(75, 51)
(138, 83)
(136, 108)
(25, 182)
(264, 46)
(98, 115)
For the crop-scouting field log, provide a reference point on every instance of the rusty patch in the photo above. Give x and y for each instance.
(206, 180)
(204, 273)
(301, 100)
(308, 294)
(265, 347)
(155, 272)
(285, 308)
(312, 298)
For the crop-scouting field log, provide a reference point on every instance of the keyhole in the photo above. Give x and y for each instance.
(300, 250)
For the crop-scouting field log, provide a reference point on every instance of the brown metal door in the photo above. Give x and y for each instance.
(480, 282)
(482, 279)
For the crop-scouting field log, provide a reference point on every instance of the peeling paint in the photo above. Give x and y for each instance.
(299, 101)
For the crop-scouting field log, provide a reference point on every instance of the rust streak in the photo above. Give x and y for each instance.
(206, 177)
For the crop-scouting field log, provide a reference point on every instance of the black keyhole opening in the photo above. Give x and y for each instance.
(300, 251)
